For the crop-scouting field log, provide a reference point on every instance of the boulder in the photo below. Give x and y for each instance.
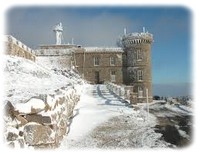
(22, 120)
(37, 134)
(38, 119)
(12, 136)
(10, 110)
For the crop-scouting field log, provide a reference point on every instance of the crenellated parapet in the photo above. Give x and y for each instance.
(133, 39)
(17, 48)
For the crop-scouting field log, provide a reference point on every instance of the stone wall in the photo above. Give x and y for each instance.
(41, 122)
(125, 92)
(128, 93)
(16, 48)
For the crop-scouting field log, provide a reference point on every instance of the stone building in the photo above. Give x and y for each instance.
(129, 64)
(98, 65)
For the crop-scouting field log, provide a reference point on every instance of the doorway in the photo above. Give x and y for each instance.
(97, 77)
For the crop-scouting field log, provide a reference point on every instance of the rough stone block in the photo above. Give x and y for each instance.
(12, 136)
(36, 134)
(22, 120)
(38, 118)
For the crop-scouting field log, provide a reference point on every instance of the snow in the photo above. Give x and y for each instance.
(179, 108)
(97, 106)
(91, 112)
(176, 108)
(26, 79)
(26, 108)
(101, 49)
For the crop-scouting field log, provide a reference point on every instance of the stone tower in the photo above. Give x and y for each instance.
(137, 63)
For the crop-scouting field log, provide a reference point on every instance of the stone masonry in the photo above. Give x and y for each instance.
(16, 48)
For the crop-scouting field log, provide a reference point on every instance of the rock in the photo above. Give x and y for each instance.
(21, 133)
(11, 144)
(22, 120)
(171, 134)
(21, 143)
(36, 134)
(10, 110)
(47, 107)
(11, 136)
(38, 118)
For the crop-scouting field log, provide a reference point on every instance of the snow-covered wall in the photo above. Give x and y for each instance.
(17, 48)
(38, 103)
(125, 92)
(42, 121)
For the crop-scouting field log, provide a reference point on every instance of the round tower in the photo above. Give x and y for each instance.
(137, 63)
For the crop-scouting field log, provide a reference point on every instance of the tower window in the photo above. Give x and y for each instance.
(112, 61)
(140, 75)
(139, 54)
(140, 92)
(96, 61)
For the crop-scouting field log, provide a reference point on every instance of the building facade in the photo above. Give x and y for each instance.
(99, 65)
(129, 64)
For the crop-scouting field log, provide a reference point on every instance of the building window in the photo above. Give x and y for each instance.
(112, 61)
(140, 75)
(139, 55)
(112, 76)
(96, 61)
(140, 91)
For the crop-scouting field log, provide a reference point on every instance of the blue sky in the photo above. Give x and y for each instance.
(101, 26)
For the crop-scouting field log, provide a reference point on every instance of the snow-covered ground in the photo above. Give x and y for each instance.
(24, 79)
(101, 118)
(37, 96)
(98, 107)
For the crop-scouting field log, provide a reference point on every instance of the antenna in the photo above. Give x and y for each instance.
(143, 29)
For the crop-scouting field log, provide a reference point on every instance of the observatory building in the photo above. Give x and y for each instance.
(128, 64)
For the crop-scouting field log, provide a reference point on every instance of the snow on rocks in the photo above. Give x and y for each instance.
(38, 103)
(34, 105)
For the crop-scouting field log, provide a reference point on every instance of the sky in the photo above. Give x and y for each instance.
(101, 26)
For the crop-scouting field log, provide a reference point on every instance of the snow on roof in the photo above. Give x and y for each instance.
(144, 35)
(103, 49)
(53, 52)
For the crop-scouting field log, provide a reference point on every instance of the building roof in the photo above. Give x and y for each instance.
(103, 49)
